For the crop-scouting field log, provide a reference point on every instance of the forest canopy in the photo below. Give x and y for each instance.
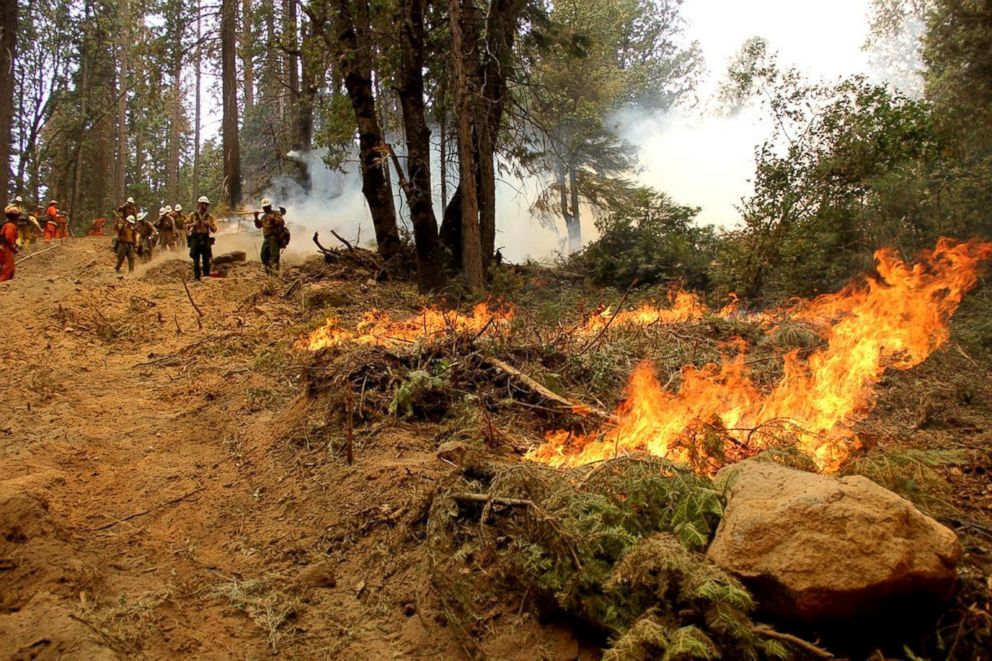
(431, 103)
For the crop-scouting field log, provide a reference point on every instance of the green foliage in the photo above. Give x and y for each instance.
(423, 394)
(616, 545)
(652, 240)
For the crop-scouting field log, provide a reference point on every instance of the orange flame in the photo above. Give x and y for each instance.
(377, 328)
(685, 307)
(893, 321)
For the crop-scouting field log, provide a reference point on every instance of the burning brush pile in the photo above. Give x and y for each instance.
(721, 411)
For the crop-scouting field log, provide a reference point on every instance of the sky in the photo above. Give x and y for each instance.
(707, 161)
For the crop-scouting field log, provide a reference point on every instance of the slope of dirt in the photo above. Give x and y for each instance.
(167, 488)
(148, 500)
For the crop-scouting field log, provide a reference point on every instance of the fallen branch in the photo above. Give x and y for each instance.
(199, 312)
(485, 498)
(818, 652)
(543, 391)
(129, 517)
(292, 289)
(343, 240)
(35, 254)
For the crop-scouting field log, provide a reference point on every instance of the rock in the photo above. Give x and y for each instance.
(318, 575)
(453, 451)
(817, 548)
(23, 515)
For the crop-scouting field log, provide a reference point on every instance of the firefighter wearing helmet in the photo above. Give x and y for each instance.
(180, 224)
(127, 231)
(166, 226)
(129, 208)
(274, 236)
(199, 226)
(8, 242)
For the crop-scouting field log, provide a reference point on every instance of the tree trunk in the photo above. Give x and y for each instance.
(247, 56)
(356, 69)
(575, 228)
(430, 275)
(463, 46)
(229, 84)
(8, 50)
(120, 167)
(196, 111)
(291, 63)
(313, 69)
(175, 114)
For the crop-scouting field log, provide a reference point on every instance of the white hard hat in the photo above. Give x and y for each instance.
(179, 207)
(168, 209)
(161, 210)
(141, 216)
(130, 200)
(131, 220)
(266, 202)
(18, 199)
(203, 200)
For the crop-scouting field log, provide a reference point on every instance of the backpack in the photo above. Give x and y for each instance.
(284, 236)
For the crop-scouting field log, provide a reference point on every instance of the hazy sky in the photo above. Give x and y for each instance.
(708, 161)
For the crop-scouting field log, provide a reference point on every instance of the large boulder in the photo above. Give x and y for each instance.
(817, 548)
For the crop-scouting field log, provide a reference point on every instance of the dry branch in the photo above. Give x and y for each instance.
(818, 652)
(149, 510)
(541, 390)
(35, 254)
(485, 498)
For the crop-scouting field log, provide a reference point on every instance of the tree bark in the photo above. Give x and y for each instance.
(247, 56)
(175, 110)
(355, 66)
(430, 275)
(229, 84)
(197, 106)
(463, 29)
(124, 45)
(312, 71)
(575, 227)
(8, 55)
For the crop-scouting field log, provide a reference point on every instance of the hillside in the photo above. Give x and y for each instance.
(175, 474)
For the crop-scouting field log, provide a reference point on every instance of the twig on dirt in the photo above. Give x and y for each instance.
(965, 354)
(107, 638)
(350, 447)
(199, 312)
(966, 523)
(292, 289)
(818, 652)
(541, 390)
(35, 254)
(85, 268)
(486, 499)
(603, 330)
(148, 511)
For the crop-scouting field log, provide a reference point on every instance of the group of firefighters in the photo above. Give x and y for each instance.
(20, 228)
(135, 235)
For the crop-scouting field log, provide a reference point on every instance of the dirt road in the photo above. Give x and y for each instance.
(149, 500)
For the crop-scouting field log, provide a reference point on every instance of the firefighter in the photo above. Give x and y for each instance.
(8, 242)
(129, 208)
(61, 226)
(126, 233)
(180, 224)
(24, 223)
(199, 226)
(166, 226)
(146, 237)
(273, 226)
(51, 221)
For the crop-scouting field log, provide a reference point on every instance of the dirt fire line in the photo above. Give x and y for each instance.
(895, 320)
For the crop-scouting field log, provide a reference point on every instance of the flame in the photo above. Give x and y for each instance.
(893, 321)
(684, 307)
(377, 328)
